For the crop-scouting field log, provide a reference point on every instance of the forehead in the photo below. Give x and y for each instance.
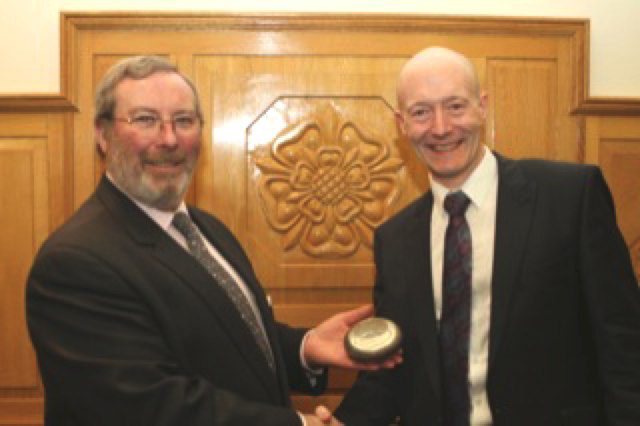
(435, 83)
(161, 91)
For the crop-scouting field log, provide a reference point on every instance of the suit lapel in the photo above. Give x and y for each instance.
(146, 232)
(196, 277)
(420, 287)
(230, 316)
(514, 211)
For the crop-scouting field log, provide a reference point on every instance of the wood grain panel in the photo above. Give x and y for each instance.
(19, 160)
(21, 411)
(524, 105)
(614, 144)
(32, 196)
(25, 221)
(303, 315)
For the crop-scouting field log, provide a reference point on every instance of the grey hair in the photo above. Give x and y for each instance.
(136, 68)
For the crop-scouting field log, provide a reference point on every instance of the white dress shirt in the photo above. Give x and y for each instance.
(482, 188)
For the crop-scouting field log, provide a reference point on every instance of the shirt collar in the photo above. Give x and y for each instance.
(477, 185)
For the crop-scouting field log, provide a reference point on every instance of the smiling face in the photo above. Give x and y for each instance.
(152, 165)
(441, 113)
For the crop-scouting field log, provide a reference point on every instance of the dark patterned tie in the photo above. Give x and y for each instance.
(198, 249)
(455, 320)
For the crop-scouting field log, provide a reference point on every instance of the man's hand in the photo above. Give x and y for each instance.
(322, 417)
(325, 343)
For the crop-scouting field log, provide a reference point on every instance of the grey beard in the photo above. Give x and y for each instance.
(142, 188)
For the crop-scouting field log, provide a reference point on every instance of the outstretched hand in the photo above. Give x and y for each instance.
(322, 417)
(324, 345)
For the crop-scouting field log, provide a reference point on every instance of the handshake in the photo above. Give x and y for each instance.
(353, 340)
(321, 417)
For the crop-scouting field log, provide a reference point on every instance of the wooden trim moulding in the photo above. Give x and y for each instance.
(35, 103)
(603, 106)
(198, 21)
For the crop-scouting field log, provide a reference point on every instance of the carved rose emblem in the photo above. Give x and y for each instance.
(326, 187)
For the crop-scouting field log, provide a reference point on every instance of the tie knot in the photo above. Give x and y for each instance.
(456, 203)
(182, 222)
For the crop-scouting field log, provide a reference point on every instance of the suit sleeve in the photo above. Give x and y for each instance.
(300, 379)
(613, 300)
(104, 358)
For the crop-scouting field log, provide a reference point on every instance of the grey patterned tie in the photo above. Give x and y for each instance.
(198, 249)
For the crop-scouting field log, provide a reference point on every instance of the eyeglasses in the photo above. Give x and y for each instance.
(183, 123)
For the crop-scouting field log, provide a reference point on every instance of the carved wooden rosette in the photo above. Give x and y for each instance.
(327, 175)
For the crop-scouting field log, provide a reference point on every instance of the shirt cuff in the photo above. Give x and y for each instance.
(312, 373)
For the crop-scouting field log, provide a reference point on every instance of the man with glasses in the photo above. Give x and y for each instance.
(144, 311)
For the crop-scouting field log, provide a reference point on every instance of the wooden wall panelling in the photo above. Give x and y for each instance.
(614, 144)
(530, 102)
(185, 36)
(301, 158)
(532, 106)
(275, 133)
(32, 195)
(274, 87)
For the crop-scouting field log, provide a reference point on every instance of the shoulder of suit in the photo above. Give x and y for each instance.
(86, 230)
(552, 171)
(415, 210)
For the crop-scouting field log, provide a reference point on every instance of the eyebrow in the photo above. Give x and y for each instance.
(424, 102)
(155, 111)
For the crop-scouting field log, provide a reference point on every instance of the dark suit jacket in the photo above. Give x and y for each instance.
(564, 340)
(129, 329)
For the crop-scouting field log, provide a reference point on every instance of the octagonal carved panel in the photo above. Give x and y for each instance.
(327, 171)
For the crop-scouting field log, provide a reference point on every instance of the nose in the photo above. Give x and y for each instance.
(167, 133)
(441, 124)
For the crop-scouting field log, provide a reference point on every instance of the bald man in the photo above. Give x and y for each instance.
(523, 309)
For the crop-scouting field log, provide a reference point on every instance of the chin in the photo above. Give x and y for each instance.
(449, 173)
(167, 200)
(166, 194)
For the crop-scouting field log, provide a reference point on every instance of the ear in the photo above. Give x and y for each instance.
(400, 123)
(100, 138)
(484, 104)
